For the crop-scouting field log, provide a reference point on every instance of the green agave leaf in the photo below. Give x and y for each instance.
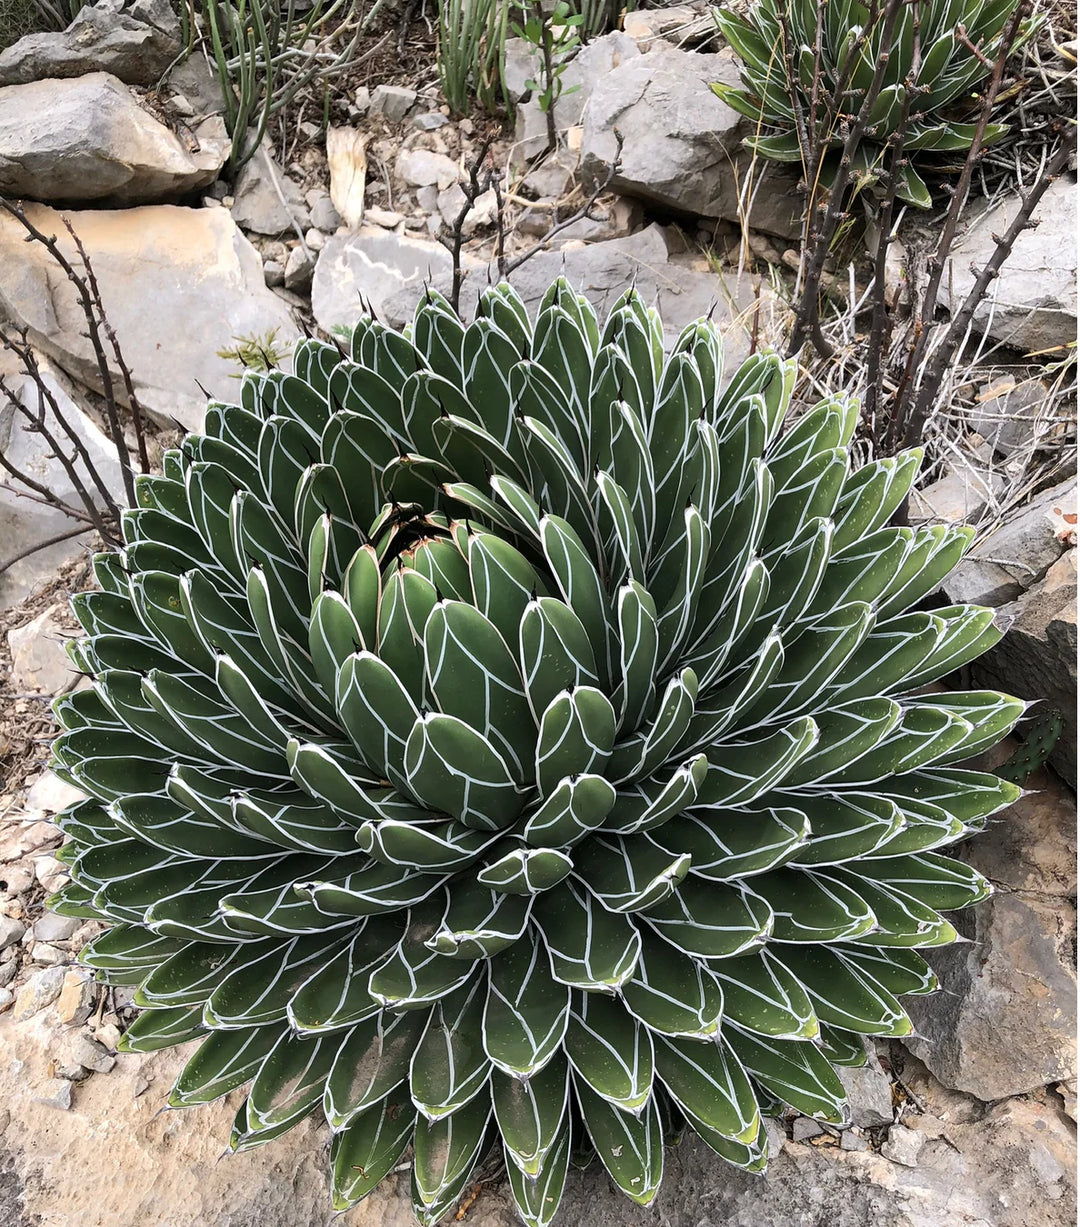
(446, 1154)
(841, 995)
(630, 1147)
(262, 979)
(629, 875)
(712, 920)
(763, 997)
(372, 1063)
(577, 807)
(527, 1010)
(290, 1081)
(795, 1071)
(479, 922)
(224, 1061)
(152, 1030)
(610, 1050)
(336, 995)
(450, 1065)
(526, 871)
(369, 1147)
(531, 1113)
(417, 973)
(591, 948)
(709, 1080)
(672, 993)
(537, 1199)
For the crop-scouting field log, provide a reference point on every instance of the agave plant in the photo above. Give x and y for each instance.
(945, 48)
(510, 735)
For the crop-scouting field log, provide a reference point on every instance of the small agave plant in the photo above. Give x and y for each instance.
(510, 736)
(945, 48)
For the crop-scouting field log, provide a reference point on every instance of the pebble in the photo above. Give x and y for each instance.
(804, 1128)
(386, 218)
(76, 1001)
(11, 931)
(56, 1093)
(50, 956)
(299, 269)
(324, 216)
(53, 928)
(39, 991)
(51, 794)
(7, 973)
(394, 101)
(902, 1146)
(92, 1054)
(273, 273)
(422, 168)
(429, 121)
(6, 998)
(315, 239)
(71, 1071)
(850, 1140)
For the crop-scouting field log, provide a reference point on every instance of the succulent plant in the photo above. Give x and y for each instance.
(512, 735)
(954, 40)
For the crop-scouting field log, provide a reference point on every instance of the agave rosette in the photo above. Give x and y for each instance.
(511, 735)
(957, 41)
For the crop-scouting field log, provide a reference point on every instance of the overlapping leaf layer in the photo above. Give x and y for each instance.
(512, 735)
(943, 48)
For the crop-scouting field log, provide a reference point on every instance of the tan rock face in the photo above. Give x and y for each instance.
(88, 138)
(178, 285)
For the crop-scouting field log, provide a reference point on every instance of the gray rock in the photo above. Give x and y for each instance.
(51, 794)
(386, 218)
(869, 1091)
(98, 40)
(49, 956)
(23, 523)
(1028, 544)
(959, 497)
(39, 991)
(1031, 304)
(580, 77)
(88, 139)
(92, 1055)
(274, 273)
(323, 214)
(1037, 657)
(203, 277)
(852, 1141)
(683, 146)
(1016, 419)
(422, 168)
(390, 270)
(299, 269)
(53, 928)
(265, 199)
(393, 101)
(199, 83)
(804, 1128)
(902, 1146)
(429, 121)
(11, 931)
(56, 1093)
(38, 660)
(675, 24)
(1006, 1022)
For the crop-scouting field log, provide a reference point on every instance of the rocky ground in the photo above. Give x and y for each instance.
(970, 1123)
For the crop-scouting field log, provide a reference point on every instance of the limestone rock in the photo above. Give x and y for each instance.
(959, 497)
(682, 146)
(265, 199)
(299, 269)
(390, 270)
(1037, 657)
(39, 991)
(1031, 305)
(1006, 1022)
(76, 1001)
(1014, 417)
(423, 168)
(88, 139)
(23, 523)
(100, 39)
(178, 285)
(38, 660)
(50, 794)
(393, 101)
(869, 1091)
(11, 931)
(579, 78)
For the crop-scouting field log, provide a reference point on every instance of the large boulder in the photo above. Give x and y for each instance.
(682, 147)
(389, 271)
(1031, 304)
(178, 285)
(136, 46)
(89, 139)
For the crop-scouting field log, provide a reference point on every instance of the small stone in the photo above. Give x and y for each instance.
(323, 214)
(49, 956)
(56, 1093)
(141, 1086)
(274, 273)
(869, 1092)
(775, 1135)
(902, 1146)
(11, 931)
(429, 121)
(386, 218)
(960, 497)
(39, 663)
(92, 1054)
(70, 1071)
(108, 1033)
(39, 991)
(851, 1139)
(299, 269)
(6, 998)
(1067, 1091)
(428, 199)
(47, 867)
(50, 794)
(804, 1128)
(52, 928)
(7, 972)
(18, 880)
(315, 239)
(76, 1001)
(422, 168)
(393, 101)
